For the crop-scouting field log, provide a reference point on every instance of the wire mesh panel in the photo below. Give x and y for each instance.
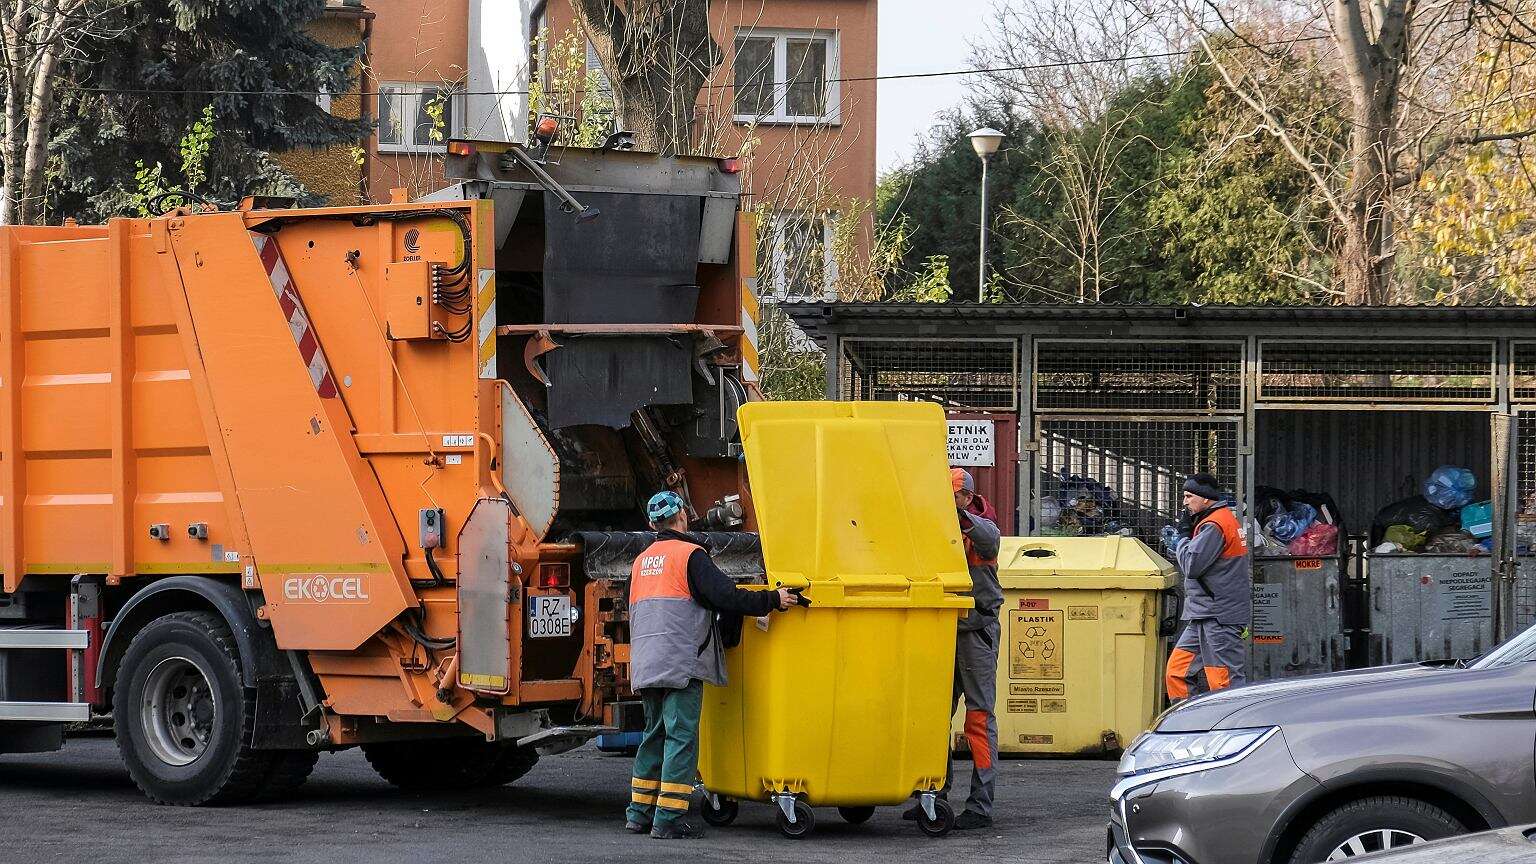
(1106, 476)
(971, 374)
(1525, 520)
(1377, 371)
(1150, 376)
(1522, 382)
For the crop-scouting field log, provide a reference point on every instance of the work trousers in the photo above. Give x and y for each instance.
(976, 683)
(667, 763)
(1220, 651)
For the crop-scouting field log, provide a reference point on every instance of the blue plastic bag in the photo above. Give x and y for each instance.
(1450, 488)
(1477, 519)
(1287, 525)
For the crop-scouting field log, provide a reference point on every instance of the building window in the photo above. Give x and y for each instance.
(786, 76)
(406, 117)
(799, 257)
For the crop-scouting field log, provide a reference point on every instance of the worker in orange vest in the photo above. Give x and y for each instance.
(1218, 594)
(675, 595)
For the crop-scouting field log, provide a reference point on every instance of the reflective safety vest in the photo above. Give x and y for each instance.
(670, 634)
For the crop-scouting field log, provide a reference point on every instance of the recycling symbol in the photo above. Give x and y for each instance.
(1047, 648)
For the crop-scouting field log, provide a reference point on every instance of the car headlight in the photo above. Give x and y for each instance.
(1157, 751)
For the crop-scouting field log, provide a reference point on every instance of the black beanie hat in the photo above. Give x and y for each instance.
(1204, 485)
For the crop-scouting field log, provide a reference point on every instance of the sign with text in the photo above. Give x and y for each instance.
(971, 443)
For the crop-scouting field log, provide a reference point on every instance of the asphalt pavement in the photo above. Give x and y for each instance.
(79, 805)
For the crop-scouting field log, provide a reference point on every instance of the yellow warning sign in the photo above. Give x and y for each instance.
(1035, 645)
(1023, 706)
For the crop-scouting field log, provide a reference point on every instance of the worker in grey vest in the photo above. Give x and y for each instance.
(976, 648)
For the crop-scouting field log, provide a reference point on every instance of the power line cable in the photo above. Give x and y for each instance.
(852, 79)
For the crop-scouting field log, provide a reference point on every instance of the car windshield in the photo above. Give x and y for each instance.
(1517, 650)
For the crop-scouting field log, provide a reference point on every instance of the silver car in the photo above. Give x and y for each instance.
(1333, 767)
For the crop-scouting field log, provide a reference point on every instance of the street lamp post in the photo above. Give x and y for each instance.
(985, 142)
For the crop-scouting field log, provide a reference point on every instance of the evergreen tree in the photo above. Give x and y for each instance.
(126, 104)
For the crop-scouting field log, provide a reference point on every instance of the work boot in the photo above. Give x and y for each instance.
(678, 830)
(969, 819)
(634, 827)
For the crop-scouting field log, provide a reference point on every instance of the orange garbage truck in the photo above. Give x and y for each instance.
(275, 480)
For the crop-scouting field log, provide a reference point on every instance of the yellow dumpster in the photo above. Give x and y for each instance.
(1081, 665)
(844, 703)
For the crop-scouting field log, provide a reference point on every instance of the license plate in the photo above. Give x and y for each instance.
(549, 617)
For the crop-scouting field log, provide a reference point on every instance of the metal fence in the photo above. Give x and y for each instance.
(1377, 371)
(972, 374)
(1101, 375)
(1104, 476)
(1525, 520)
(1522, 377)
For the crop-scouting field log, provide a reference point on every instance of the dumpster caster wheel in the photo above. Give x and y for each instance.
(856, 815)
(805, 821)
(718, 811)
(943, 821)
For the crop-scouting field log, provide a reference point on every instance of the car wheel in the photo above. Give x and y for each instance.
(1373, 825)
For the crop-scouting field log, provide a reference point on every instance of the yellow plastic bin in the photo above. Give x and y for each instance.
(846, 703)
(1081, 666)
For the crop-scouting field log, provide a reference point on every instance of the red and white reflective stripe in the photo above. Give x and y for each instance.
(298, 319)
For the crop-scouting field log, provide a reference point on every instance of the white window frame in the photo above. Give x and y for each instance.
(780, 78)
(409, 104)
(779, 259)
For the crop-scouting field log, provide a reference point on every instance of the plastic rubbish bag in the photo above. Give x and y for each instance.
(1405, 536)
(1318, 541)
(1416, 512)
(1449, 487)
(1388, 549)
(1050, 512)
(1287, 525)
(1477, 519)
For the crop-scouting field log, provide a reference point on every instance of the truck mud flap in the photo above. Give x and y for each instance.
(609, 554)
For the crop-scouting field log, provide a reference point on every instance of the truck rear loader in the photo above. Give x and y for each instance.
(275, 481)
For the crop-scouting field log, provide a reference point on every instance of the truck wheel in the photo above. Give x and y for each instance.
(184, 719)
(1373, 825)
(290, 769)
(449, 763)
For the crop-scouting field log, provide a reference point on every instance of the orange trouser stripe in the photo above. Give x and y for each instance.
(1218, 677)
(1178, 667)
(646, 798)
(642, 783)
(976, 734)
(676, 788)
(672, 802)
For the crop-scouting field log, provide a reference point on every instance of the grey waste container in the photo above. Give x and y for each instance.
(1429, 607)
(1298, 618)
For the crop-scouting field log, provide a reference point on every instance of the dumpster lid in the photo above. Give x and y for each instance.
(854, 492)
(1112, 563)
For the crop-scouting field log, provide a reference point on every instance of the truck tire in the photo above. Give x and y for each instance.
(183, 717)
(1373, 825)
(449, 763)
(290, 769)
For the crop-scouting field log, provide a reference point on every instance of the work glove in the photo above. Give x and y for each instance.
(1173, 541)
